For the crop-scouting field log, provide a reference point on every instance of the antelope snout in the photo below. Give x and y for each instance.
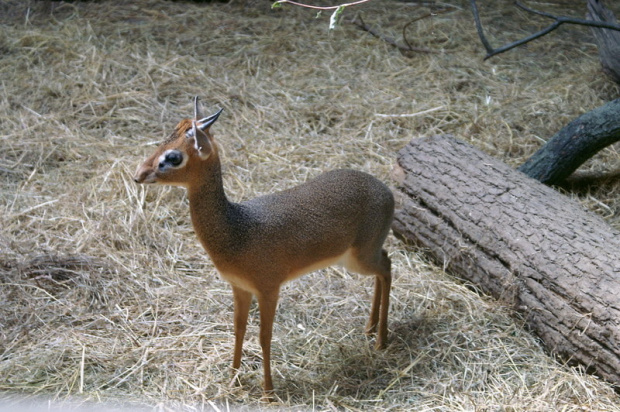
(144, 175)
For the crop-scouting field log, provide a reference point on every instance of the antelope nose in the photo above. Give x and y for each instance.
(140, 175)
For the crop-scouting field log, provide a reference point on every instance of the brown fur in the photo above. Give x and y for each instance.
(342, 216)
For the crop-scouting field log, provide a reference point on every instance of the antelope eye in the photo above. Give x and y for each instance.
(170, 159)
(174, 158)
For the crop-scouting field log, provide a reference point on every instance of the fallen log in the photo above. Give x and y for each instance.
(518, 240)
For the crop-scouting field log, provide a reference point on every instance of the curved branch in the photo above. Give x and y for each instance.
(432, 13)
(574, 144)
(359, 22)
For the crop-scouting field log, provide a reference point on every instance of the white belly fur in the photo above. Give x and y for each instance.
(346, 260)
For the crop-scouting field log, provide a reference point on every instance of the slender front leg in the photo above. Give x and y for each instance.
(243, 299)
(267, 304)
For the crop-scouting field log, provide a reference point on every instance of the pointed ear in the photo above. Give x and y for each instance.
(202, 144)
(204, 124)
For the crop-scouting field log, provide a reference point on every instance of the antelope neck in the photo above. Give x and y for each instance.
(209, 207)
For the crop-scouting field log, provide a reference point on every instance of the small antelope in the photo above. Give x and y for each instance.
(340, 217)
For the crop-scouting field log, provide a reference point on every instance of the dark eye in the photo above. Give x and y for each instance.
(174, 158)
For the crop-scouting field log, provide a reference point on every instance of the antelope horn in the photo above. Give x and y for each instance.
(208, 121)
(197, 114)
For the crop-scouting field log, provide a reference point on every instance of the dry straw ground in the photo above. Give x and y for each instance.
(106, 295)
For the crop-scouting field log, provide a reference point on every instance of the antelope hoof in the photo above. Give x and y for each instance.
(268, 396)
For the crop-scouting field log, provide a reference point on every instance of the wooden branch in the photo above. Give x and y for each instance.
(559, 20)
(519, 241)
(483, 38)
(574, 144)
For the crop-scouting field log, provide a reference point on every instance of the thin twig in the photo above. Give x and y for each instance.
(309, 6)
(559, 20)
(423, 112)
(424, 16)
(359, 22)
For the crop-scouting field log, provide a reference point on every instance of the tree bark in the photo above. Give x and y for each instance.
(574, 144)
(519, 241)
(607, 41)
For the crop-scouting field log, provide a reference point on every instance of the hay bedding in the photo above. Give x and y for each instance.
(106, 295)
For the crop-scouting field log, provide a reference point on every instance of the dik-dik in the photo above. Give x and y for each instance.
(340, 217)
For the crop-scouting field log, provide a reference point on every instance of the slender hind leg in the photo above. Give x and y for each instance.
(371, 326)
(386, 284)
(378, 264)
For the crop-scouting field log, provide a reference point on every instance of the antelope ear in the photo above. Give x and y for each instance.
(204, 124)
(202, 144)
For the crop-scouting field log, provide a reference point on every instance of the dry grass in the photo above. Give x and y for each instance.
(106, 296)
